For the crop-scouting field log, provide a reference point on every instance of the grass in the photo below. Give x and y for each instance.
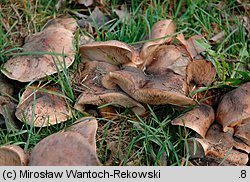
(133, 140)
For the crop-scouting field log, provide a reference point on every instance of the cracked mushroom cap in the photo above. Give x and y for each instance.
(12, 155)
(49, 107)
(93, 92)
(32, 66)
(166, 88)
(234, 107)
(75, 146)
(198, 119)
(160, 29)
(113, 51)
(220, 145)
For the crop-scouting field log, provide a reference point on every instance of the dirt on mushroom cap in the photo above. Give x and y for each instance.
(49, 107)
(54, 44)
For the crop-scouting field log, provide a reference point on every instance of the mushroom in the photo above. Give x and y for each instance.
(165, 88)
(159, 32)
(7, 111)
(41, 107)
(242, 131)
(43, 52)
(220, 145)
(198, 119)
(169, 57)
(73, 147)
(114, 52)
(12, 155)
(234, 107)
(94, 93)
(200, 72)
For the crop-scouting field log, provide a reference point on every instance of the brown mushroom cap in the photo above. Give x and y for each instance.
(160, 29)
(166, 88)
(201, 72)
(199, 119)
(12, 155)
(169, 57)
(220, 145)
(94, 93)
(66, 23)
(242, 131)
(64, 149)
(87, 127)
(114, 52)
(234, 107)
(49, 108)
(34, 66)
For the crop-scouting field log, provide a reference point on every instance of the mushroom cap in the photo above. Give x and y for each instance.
(221, 144)
(234, 107)
(113, 51)
(201, 72)
(64, 149)
(114, 98)
(87, 127)
(7, 110)
(49, 108)
(12, 155)
(199, 119)
(167, 88)
(66, 23)
(242, 131)
(160, 29)
(169, 57)
(33, 66)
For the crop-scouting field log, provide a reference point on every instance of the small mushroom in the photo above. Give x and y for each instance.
(220, 145)
(160, 31)
(73, 147)
(12, 155)
(198, 119)
(94, 93)
(242, 131)
(234, 107)
(47, 104)
(54, 39)
(114, 52)
(165, 88)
